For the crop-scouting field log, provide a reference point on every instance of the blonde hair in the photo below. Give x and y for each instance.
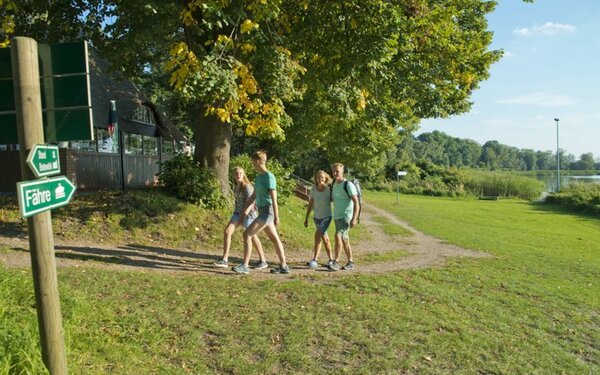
(328, 178)
(335, 165)
(245, 180)
(260, 155)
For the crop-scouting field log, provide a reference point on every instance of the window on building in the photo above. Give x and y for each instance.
(84, 145)
(106, 143)
(133, 144)
(168, 147)
(150, 145)
(144, 115)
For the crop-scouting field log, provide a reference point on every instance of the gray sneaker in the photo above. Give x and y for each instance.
(260, 265)
(220, 263)
(349, 266)
(326, 265)
(240, 268)
(280, 269)
(333, 266)
(312, 264)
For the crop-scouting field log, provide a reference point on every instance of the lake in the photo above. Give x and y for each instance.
(550, 180)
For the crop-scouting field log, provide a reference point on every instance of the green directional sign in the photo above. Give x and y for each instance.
(43, 160)
(46, 194)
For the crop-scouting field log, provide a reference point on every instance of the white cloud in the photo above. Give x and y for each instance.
(542, 99)
(549, 28)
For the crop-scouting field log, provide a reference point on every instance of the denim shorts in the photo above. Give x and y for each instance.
(266, 214)
(235, 218)
(322, 224)
(342, 227)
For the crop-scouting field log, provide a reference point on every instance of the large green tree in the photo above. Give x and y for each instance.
(377, 66)
(337, 77)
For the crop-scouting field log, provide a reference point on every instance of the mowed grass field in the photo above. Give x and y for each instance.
(531, 308)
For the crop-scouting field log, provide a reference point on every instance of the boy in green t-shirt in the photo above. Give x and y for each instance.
(265, 196)
(345, 215)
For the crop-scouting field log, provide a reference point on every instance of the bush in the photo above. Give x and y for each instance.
(185, 179)
(578, 196)
(285, 185)
(502, 184)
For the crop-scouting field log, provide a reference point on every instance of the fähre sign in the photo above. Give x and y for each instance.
(41, 195)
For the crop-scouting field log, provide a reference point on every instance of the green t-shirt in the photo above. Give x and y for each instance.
(263, 183)
(343, 206)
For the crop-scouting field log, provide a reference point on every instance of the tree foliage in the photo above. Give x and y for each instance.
(446, 151)
(375, 67)
(346, 79)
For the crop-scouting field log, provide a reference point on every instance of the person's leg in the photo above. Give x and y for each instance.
(338, 247)
(327, 245)
(348, 249)
(229, 229)
(271, 232)
(317, 245)
(251, 231)
(262, 260)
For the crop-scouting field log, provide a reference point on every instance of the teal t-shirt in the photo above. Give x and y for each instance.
(343, 206)
(262, 185)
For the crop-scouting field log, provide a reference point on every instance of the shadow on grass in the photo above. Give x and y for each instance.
(139, 207)
(562, 210)
(143, 257)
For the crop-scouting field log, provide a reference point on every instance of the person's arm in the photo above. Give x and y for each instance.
(249, 203)
(273, 194)
(354, 211)
(311, 202)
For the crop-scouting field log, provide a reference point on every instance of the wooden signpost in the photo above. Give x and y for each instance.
(28, 107)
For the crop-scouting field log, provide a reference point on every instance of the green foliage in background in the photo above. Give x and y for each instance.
(579, 197)
(426, 178)
(183, 178)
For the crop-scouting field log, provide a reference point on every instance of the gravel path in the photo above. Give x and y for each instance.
(407, 252)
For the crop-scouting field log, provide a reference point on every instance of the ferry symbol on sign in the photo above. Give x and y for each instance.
(41, 195)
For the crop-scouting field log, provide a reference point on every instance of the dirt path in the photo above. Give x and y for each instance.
(417, 251)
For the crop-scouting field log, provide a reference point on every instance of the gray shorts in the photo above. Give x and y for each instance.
(266, 214)
(342, 227)
(322, 224)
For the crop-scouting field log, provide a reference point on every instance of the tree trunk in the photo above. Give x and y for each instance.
(213, 144)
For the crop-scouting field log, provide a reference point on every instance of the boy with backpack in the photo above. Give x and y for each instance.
(346, 208)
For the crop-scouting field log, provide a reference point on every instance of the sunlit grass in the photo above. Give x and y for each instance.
(532, 308)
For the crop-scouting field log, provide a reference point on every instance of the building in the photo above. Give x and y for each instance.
(123, 155)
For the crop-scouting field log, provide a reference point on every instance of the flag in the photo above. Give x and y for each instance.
(112, 119)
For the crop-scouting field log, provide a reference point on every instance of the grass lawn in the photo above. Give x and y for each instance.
(532, 308)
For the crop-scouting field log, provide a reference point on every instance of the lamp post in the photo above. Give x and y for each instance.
(557, 159)
(400, 174)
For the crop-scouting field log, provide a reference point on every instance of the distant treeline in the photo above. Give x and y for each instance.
(444, 150)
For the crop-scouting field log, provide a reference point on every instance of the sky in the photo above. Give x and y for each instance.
(550, 70)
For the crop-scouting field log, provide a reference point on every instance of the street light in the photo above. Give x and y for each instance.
(557, 159)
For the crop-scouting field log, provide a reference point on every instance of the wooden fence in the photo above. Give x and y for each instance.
(90, 171)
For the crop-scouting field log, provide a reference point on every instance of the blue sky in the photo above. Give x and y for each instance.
(550, 69)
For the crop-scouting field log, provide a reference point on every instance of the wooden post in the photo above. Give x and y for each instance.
(28, 106)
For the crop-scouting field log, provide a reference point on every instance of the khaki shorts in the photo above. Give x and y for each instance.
(342, 227)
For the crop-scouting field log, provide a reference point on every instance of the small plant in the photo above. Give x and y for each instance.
(185, 179)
